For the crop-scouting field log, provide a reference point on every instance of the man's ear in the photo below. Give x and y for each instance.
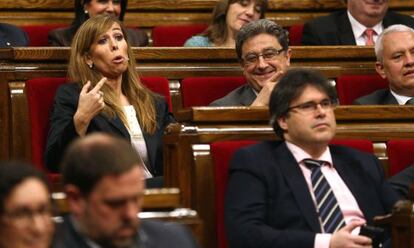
(75, 199)
(288, 55)
(379, 67)
(282, 123)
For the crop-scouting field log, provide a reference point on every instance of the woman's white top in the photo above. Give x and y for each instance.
(137, 139)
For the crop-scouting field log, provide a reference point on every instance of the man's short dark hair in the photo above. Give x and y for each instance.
(89, 159)
(13, 173)
(262, 26)
(290, 87)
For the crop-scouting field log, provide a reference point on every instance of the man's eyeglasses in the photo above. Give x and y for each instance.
(310, 107)
(268, 55)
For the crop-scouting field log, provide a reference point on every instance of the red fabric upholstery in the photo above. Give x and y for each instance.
(38, 33)
(400, 155)
(222, 151)
(159, 85)
(351, 87)
(295, 35)
(359, 144)
(169, 36)
(201, 91)
(40, 94)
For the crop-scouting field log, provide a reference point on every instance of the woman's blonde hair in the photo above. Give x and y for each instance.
(138, 95)
(217, 30)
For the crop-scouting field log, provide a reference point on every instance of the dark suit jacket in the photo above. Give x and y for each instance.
(62, 130)
(12, 36)
(268, 203)
(402, 181)
(64, 36)
(152, 234)
(335, 29)
(378, 97)
(241, 96)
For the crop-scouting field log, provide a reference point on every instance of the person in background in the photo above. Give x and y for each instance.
(12, 36)
(360, 24)
(84, 9)
(263, 51)
(395, 62)
(107, 96)
(228, 17)
(303, 192)
(104, 184)
(25, 207)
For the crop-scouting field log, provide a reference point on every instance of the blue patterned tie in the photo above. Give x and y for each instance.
(327, 206)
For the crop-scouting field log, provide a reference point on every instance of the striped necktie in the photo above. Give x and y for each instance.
(369, 34)
(327, 206)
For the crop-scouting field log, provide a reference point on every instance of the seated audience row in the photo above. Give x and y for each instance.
(104, 184)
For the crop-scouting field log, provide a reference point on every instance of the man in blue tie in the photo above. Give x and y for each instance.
(301, 191)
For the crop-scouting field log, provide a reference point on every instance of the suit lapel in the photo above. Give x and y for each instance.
(247, 96)
(116, 123)
(346, 35)
(389, 98)
(296, 181)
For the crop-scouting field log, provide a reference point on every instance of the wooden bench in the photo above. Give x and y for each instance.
(150, 13)
(188, 162)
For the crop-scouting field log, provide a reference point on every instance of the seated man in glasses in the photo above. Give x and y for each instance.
(303, 192)
(263, 50)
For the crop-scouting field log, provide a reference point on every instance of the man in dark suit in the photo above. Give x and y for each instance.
(104, 185)
(280, 192)
(354, 26)
(263, 51)
(12, 36)
(395, 62)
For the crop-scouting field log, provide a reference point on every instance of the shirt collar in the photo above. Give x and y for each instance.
(299, 154)
(400, 98)
(358, 29)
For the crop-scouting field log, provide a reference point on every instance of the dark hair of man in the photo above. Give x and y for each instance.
(13, 173)
(217, 30)
(290, 87)
(89, 159)
(262, 26)
(81, 16)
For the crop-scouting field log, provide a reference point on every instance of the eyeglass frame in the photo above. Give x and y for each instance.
(262, 54)
(311, 106)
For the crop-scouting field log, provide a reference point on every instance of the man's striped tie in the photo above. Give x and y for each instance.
(327, 206)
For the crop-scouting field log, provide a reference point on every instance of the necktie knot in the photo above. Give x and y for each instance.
(313, 163)
(369, 33)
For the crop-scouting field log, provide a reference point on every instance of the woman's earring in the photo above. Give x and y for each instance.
(86, 12)
(90, 65)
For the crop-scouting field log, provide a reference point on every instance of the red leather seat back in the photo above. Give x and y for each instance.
(201, 91)
(351, 87)
(295, 35)
(400, 155)
(169, 36)
(38, 33)
(159, 85)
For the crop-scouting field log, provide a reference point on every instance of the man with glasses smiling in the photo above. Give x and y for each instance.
(263, 50)
(301, 191)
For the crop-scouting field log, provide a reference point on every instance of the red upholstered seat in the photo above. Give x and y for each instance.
(295, 35)
(38, 33)
(400, 155)
(359, 144)
(168, 36)
(222, 151)
(159, 85)
(201, 91)
(40, 94)
(351, 87)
